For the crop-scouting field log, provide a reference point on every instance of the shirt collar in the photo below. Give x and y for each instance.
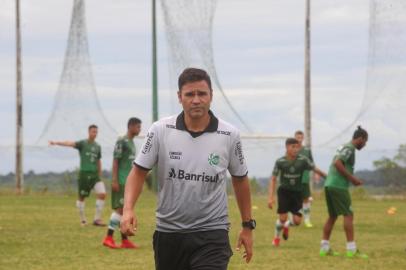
(212, 127)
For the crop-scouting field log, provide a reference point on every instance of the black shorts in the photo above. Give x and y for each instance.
(289, 201)
(208, 250)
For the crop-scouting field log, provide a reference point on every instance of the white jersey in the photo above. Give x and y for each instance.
(192, 172)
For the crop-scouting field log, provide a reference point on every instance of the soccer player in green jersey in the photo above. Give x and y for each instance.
(338, 197)
(89, 173)
(124, 155)
(306, 192)
(289, 170)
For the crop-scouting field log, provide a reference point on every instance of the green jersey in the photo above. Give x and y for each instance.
(290, 172)
(345, 153)
(90, 154)
(305, 151)
(124, 152)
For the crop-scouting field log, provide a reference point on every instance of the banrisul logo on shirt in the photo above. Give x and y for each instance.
(183, 175)
(213, 159)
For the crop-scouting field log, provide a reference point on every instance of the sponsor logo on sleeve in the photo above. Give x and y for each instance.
(148, 144)
(238, 152)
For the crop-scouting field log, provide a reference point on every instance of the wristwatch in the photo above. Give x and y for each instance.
(251, 224)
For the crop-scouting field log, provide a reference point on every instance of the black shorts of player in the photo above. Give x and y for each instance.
(206, 250)
(289, 201)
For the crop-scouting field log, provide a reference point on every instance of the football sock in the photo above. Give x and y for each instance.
(81, 207)
(278, 228)
(99, 209)
(351, 246)
(325, 245)
(306, 211)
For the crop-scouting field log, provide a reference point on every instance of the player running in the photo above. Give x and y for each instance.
(89, 174)
(124, 154)
(338, 197)
(306, 191)
(289, 170)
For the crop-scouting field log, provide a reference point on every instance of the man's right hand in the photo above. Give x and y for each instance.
(128, 224)
(115, 186)
(271, 202)
(357, 182)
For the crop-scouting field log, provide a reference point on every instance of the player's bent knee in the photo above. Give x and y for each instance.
(100, 188)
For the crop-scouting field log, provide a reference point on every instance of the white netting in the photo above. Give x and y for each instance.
(76, 105)
(188, 27)
(385, 97)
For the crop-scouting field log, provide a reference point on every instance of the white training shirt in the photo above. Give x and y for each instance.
(192, 172)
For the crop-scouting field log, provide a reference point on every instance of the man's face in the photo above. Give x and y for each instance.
(93, 133)
(292, 150)
(299, 137)
(135, 129)
(195, 98)
(360, 143)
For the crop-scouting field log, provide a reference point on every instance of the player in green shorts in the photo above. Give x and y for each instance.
(306, 191)
(289, 170)
(89, 173)
(338, 199)
(124, 155)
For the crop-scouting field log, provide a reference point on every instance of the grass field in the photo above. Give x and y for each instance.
(43, 232)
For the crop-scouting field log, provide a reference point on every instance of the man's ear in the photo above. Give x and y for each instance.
(179, 96)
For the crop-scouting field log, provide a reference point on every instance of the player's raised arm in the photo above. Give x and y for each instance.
(343, 171)
(63, 143)
(133, 189)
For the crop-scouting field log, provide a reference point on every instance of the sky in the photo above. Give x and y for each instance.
(258, 50)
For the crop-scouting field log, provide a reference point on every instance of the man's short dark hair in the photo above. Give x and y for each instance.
(360, 132)
(92, 126)
(299, 132)
(290, 141)
(190, 75)
(133, 121)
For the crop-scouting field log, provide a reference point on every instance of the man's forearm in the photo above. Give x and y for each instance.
(133, 187)
(342, 170)
(243, 196)
(115, 170)
(271, 189)
(63, 143)
(99, 168)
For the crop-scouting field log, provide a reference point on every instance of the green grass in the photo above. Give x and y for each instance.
(42, 232)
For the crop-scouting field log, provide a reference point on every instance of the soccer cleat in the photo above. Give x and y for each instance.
(275, 242)
(308, 224)
(99, 223)
(83, 223)
(356, 254)
(329, 252)
(128, 244)
(285, 233)
(109, 242)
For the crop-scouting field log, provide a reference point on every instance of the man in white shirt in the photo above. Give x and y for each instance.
(193, 152)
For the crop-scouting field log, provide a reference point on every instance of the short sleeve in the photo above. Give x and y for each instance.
(118, 149)
(237, 165)
(79, 145)
(148, 155)
(276, 169)
(344, 154)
